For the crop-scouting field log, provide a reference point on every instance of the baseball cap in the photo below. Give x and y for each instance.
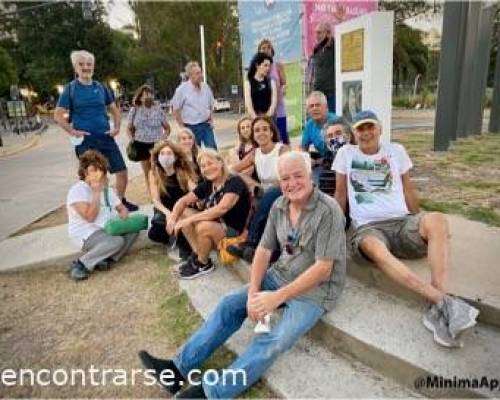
(363, 117)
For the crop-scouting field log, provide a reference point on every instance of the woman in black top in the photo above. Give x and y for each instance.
(261, 94)
(226, 204)
(171, 178)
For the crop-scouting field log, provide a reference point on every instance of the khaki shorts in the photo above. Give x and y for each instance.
(400, 235)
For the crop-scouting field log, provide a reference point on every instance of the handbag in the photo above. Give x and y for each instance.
(225, 257)
(132, 152)
(116, 226)
(133, 223)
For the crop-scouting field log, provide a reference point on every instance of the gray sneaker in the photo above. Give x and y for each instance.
(434, 320)
(459, 315)
(78, 271)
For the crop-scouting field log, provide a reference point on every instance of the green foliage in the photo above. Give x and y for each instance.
(407, 9)
(8, 75)
(426, 99)
(47, 35)
(410, 55)
(169, 37)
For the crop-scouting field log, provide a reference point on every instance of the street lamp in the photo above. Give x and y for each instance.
(59, 88)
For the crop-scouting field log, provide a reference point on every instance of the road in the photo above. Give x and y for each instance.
(36, 181)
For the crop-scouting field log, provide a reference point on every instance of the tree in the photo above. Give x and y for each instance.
(169, 37)
(8, 75)
(409, 9)
(410, 55)
(47, 35)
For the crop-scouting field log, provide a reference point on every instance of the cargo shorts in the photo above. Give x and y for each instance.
(400, 235)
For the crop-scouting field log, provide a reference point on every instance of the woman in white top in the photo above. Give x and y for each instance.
(90, 204)
(265, 160)
(147, 125)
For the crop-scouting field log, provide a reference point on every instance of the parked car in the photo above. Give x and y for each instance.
(222, 104)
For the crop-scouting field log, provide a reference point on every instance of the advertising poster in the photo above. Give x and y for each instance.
(334, 12)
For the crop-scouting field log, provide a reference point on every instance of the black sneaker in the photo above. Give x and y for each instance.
(248, 253)
(236, 249)
(130, 206)
(158, 366)
(104, 265)
(192, 392)
(78, 271)
(194, 268)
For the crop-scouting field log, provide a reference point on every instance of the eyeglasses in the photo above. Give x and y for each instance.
(292, 241)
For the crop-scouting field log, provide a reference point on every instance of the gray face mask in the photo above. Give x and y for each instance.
(166, 161)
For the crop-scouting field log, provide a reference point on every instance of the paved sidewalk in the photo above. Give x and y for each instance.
(36, 181)
(47, 247)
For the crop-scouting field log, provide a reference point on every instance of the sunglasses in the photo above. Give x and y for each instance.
(292, 241)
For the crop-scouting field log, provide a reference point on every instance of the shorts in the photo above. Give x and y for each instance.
(230, 231)
(107, 146)
(143, 150)
(400, 235)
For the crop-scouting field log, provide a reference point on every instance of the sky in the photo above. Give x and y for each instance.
(120, 14)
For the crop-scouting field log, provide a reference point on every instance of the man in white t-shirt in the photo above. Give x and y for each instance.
(90, 204)
(373, 176)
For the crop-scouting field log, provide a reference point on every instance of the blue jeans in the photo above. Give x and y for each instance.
(203, 133)
(258, 222)
(298, 318)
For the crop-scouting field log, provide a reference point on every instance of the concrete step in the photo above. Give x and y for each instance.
(474, 255)
(49, 247)
(308, 370)
(385, 332)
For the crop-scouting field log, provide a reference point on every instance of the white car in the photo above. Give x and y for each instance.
(221, 105)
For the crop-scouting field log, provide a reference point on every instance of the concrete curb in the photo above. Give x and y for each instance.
(4, 153)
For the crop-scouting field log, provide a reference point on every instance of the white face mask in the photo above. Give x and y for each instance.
(166, 160)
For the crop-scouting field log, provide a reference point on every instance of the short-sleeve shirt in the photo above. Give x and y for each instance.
(78, 228)
(89, 106)
(148, 123)
(318, 235)
(174, 192)
(314, 134)
(236, 217)
(374, 184)
(195, 105)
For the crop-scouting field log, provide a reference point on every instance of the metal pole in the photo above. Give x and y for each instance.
(450, 64)
(202, 47)
(480, 77)
(495, 103)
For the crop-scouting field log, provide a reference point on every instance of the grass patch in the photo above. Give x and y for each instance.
(483, 214)
(486, 215)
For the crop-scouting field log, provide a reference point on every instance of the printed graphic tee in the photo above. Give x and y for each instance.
(374, 184)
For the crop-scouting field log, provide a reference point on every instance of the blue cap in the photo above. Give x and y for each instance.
(364, 117)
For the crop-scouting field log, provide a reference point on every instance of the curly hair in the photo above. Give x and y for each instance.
(274, 130)
(182, 167)
(257, 60)
(91, 158)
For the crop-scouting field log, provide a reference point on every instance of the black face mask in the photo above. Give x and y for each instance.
(148, 102)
